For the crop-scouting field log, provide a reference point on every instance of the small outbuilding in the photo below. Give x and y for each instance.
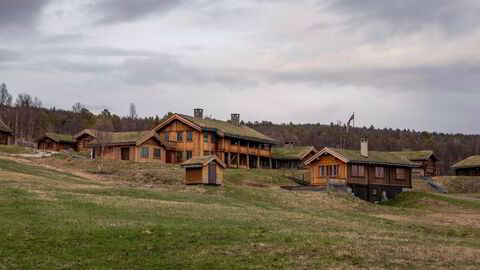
(425, 159)
(56, 142)
(204, 170)
(84, 138)
(468, 167)
(6, 134)
(291, 157)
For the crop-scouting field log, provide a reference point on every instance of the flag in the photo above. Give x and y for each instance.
(352, 118)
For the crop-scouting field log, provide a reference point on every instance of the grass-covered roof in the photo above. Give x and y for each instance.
(59, 138)
(472, 161)
(374, 157)
(296, 152)
(202, 161)
(416, 155)
(4, 127)
(229, 129)
(130, 137)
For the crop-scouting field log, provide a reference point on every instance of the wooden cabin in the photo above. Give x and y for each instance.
(235, 144)
(6, 134)
(291, 157)
(84, 138)
(133, 146)
(56, 142)
(426, 161)
(468, 167)
(204, 170)
(371, 175)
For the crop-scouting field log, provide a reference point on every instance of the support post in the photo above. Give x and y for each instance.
(270, 163)
(238, 160)
(248, 155)
(229, 160)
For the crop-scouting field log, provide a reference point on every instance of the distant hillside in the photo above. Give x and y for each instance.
(449, 148)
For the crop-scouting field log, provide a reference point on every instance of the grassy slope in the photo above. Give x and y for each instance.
(52, 219)
(15, 149)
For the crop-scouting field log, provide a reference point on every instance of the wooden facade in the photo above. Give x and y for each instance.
(208, 170)
(237, 145)
(425, 160)
(146, 147)
(84, 138)
(6, 134)
(369, 179)
(56, 142)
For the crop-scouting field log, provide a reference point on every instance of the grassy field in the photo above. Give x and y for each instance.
(15, 149)
(72, 219)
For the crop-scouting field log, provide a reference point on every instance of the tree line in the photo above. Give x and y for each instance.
(25, 115)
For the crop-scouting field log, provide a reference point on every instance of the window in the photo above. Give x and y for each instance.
(165, 136)
(379, 172)
(179, 136)
(189, 136)
(322, 170)
(358, 170)
(374, 191)
(206, 153)
(179, 156)
(189, 155)
(157, 153)
(400, 172)
(144, 152)
(214, 138)
(205, 137)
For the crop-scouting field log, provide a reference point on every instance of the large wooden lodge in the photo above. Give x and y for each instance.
(235, 144)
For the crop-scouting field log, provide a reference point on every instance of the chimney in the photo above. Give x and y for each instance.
(198, 113)
(288, 144)
(235, 118)
(364, 148)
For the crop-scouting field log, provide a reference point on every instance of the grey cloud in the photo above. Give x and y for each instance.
(8, 55)
(447, 79)
(452, 17)
(100, 51)
(114, 11)
(20, 13)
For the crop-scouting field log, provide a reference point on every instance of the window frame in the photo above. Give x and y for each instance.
(144, 153)
(179, 136)
(356, 170)
(179, 156)
(166, 136)
(403, 175)
(205, 137)
(206, 153)
(377, 170)
(157, 151)
(189, 155)
(189, 136)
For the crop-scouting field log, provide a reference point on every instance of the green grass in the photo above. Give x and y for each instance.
(15, 149)
(56, 220)
(414, 199)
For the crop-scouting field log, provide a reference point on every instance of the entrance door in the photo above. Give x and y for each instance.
(125, 153)
(168, 157)
(212, 173)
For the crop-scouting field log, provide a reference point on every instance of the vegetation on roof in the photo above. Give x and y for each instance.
(126, 137)
(4, 127)
(296, 152)
(374, 157)
(60, 137)
(472, 161)
(416, 155)
(201, 160)
(229, 129)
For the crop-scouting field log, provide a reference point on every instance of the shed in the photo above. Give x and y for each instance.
(56, 142)
(6, 134)
(468, 167)
(204, 170)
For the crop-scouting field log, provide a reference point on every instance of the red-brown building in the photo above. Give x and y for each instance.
(6, 134)
(56, 142)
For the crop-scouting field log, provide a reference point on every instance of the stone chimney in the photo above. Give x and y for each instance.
(235, 118)
(364, 148)
(198, 113)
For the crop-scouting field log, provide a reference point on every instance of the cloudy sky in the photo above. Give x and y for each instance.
(400, 64)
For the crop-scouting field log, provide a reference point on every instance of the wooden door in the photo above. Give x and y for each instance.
(125, 153)
(212, 173)
(168, 157)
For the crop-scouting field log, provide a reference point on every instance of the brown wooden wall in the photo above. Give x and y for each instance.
(6, 138)
(51, 145)
(83, 141)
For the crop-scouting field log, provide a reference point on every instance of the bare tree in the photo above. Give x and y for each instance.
(77, 108)
(132, 115)
(104, 136)
(5, 97)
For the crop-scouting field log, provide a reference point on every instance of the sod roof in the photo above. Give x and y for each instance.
(229, 129)
(296, 152)
(201, 161)
(130, 137)
(57, 137)
(472, 161)
(4, 127)
(416, 155)
(374, 157)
